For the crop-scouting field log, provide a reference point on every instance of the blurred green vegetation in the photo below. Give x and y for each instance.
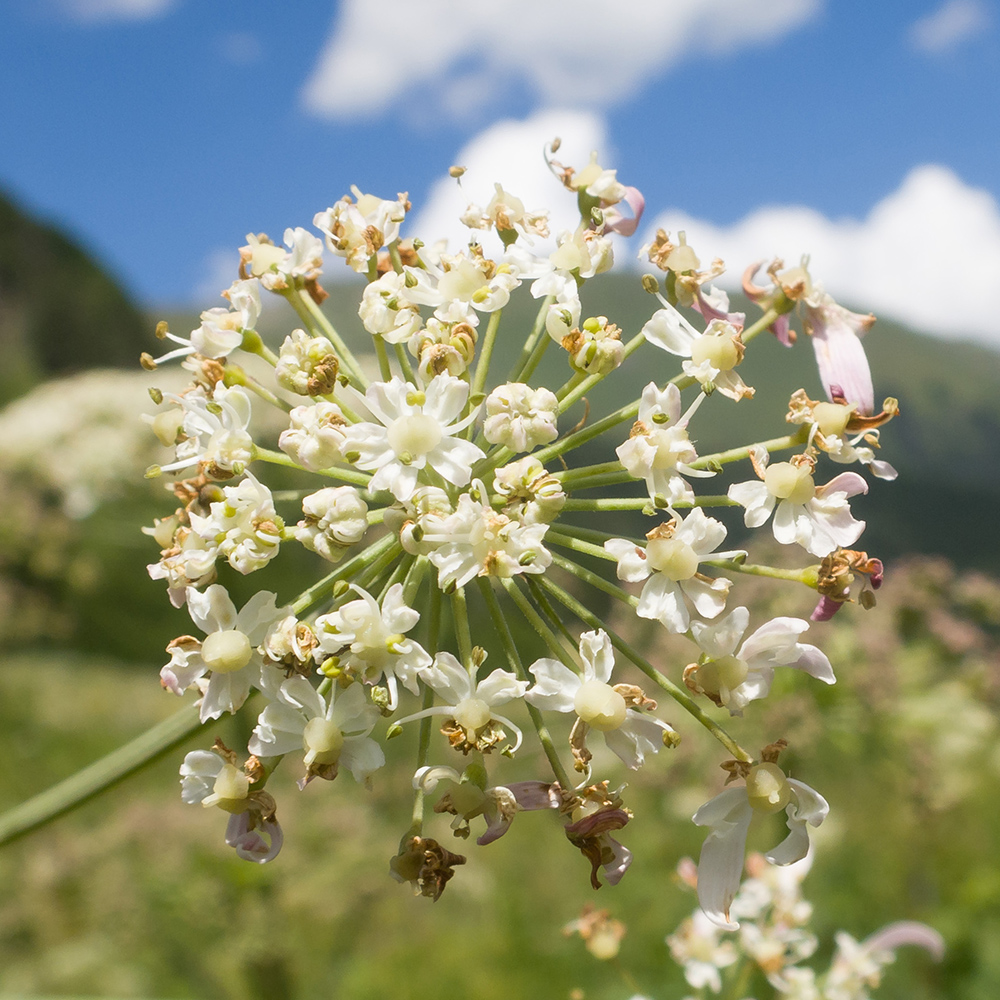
(136, 895)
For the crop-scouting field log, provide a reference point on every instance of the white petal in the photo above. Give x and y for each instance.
(555, 686)
(721, 863)
(597, 654)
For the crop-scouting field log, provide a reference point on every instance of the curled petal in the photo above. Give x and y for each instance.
(892, 936)
(249, 844)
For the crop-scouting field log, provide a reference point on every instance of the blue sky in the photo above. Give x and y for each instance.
(161, 131)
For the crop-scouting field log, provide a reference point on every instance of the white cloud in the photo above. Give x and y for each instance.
(928, 254)
(946, 28)
(116, 10)
(510, 152)
(220, 268)
(565, 52)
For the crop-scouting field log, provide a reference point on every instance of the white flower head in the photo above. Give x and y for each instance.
(734, 677)
(696, 947)
(336, 518)
(530, 493)
(521, 418)
(596, 347)
(357, 229)
(628, 733)
(244, 527)
(669, 565)
(417, 428)
(187, 560)
(477, 540)
(332, 733)
(506, 214)
(315, 435)
(370, 641)
(385, 310)
(276, 267)
(228, 652)
(307, 365)
(658, 449)
(816, 517)
(767, 790)
(446, 345)
(470, 280)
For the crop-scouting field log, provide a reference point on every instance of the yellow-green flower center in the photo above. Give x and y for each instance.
(767, 788)
(672, 557)
(227, 651)
(322, 741)
(719, 351)
(790, 482)
(600, 705)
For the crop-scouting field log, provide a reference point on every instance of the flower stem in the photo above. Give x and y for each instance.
(485, 354)
(372, 555)
(314, 318)
(352, 476)
(538, 623)
(510, 649)
(100, 776)
(527, 362)
(736, 454)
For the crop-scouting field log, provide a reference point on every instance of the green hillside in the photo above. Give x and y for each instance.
(59, 310)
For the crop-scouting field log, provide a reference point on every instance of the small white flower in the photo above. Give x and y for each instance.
(221, 330)
(816, 517)
(531, 495)
(370, 641)
(187, 560)
(480, 283)
(734, 678)
(713, 354)
(417, 428)
(507, 215)
(277, 268)
(470, 704)
(244, 527)
(658, 449)
(215, 429)
(306, 365)
(446, 345)
(332, 733)
(208, 780)
(767, 790)
(628, 733)
(385, 310)
(521, 418)
(228, 651)
(336, 519)
(669, 564)
(477, 540)
(358, 229)
(696, 947)
(315, 436)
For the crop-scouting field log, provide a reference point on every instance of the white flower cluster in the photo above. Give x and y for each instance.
(437, 493)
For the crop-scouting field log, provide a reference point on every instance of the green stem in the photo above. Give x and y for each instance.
(352, 476)
(591, 380)
(538, 623)
(463, 636)
(678, 694)
(100, 776)
(383, 359)
(424, 738)
(640, 503)
(531, 344)
(595, 580)
(485, 353)
(404, 363)
(721, 458)
(369, 556)
(510, 649)
(803, 576)
(577, 545)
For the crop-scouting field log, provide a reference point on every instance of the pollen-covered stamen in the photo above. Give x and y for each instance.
(227, 651)
(230, 790)
(767, 788)
(789, 482)
(414, 435)
(599, 705)
(672, 557)
(322, 741)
